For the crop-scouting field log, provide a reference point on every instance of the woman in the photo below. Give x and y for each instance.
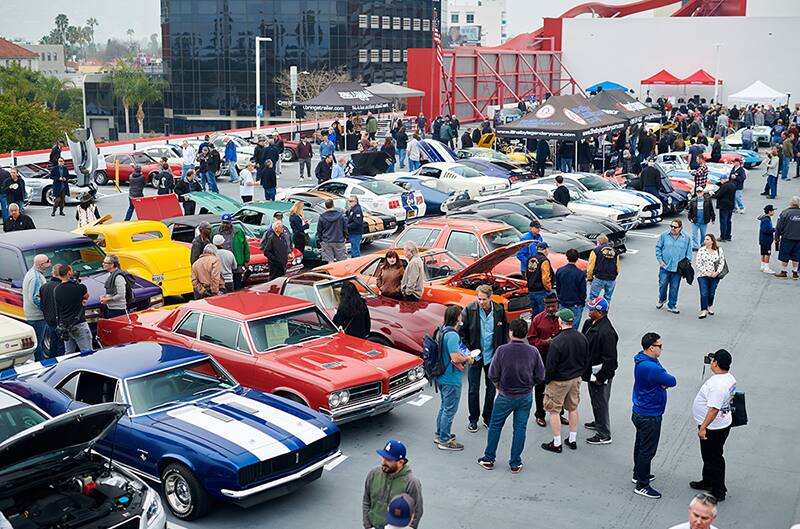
(389, 275)
(86, 212)
(388, 148)
(299, 226)
(773, 164)
(709, 262)
(679, 144)
(352, 315)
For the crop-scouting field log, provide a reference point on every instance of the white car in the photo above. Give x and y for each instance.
(625, 216)
(598, 188)
(762, 136)
(377, 195)
(17, 342)
(244, 149)
(170, 152)
(461, 176)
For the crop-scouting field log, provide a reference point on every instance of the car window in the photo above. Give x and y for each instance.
(146, 236)
(90, 388)
(520, 223)
(357, 191)
(595, 183)
(463, 243)
(310, 216)
(331, 293)
(124, 160)
(440, 265)
(241, 342)
(69, 386)
(337, 188)
(508, 206)
(182, 233)
(466, 172)
(499, 239)
(84, 257)
(429, 171)
(416, 235)
(188, 327)
(547, 209)
(379, 187)
(160, 152)
(142, 158)
(219, 331)
(431, 240)
(10, 268)
(372, 268)
(16, 416)
(301, 291)
(287, 329)
(249, 216)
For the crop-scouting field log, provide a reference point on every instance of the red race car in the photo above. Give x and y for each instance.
(127, 160)
(284, 346)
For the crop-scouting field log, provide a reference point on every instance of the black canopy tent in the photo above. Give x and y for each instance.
(619, 104)
(345, 97)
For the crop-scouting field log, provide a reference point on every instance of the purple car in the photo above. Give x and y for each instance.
(17, 250)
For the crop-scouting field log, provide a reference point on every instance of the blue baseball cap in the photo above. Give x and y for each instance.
(400, 509)
(226, 217)
(599, 304)
(542, 245)
(393, 451)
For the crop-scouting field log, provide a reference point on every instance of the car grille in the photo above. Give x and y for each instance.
(616, 238)
(365, 392)
(289, 462)
(652, 208)
(518, 303)
(398, 382)
(626, 216)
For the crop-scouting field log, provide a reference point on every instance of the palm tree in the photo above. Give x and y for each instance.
(62, 23)
(90, 25)
(146, 90)
(122, 79)
(49, 89)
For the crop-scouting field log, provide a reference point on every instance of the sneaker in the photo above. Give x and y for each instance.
(573, 445)
(485, 463)
(472, 427)
(710, 311)
(647, 492)
(703, 314)
(795, 275)
(699, 485)
(551, 447)
(590, 425)
(436, 440)
(597, 440)
(768, 271)
(673, 310)
(516, 469)
(652, 478)
(451, 445)
(659, 304)
(781, 275)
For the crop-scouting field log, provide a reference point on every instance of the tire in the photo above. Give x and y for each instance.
(100, 178)
(288, 155)
(183, 494)
(47, 196)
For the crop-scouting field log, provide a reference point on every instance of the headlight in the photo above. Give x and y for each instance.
(420, 373)
(334, 400)
(669, 200)
(412, 375)
(152, 508)
(156, 301)
(526, 316)
(158, 278)
(344, 397)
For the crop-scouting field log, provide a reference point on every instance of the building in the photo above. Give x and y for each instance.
(473, 23)
(105, 114)
(11, 54)
(209, 50)
(51, 58)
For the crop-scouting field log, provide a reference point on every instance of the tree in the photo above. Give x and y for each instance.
(312, 83)
(146, 90)
(130, 33)
(122, 79)
(91, 23)
(19, 83)
(133, 87)
(26, 125)
(50, 89)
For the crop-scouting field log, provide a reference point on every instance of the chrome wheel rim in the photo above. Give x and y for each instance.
(178, 495)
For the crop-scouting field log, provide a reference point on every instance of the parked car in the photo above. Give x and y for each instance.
(214, 203)
(39, 186)
(498, 169)
(377, 195)
(673, 200)
(672, 162)
(436, 193)
(460, 176)
(17, 342)
(189, 425)
(491, 154)
(283, 346)
(395, 323)
(762, 137)
(172, 153)
(127, 161)
(257, 217)
(50, 477)
(376, 225)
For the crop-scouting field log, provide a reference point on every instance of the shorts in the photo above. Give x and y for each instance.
(766, 248)
(562, 394)
(789, 250)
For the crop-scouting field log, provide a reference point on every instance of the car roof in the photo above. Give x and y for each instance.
(39, 238)
(278, 205)
(131, 360)
(128, 228)
(473, 224)
(245, 305)
(443, 165)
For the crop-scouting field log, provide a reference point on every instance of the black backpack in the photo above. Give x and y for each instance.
(432, 360)
(130, 284)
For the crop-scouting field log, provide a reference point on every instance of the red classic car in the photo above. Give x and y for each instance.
(127, 161)
(400, 324)
(284, 346)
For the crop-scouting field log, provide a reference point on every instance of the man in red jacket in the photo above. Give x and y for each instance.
(544, 327)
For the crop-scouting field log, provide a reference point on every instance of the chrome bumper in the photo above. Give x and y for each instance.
(16, 358)
(375, 406)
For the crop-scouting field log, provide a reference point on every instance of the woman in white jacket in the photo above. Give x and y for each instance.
(709, 262)
(771, 173)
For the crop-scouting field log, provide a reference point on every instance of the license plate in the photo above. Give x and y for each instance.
(412, 214)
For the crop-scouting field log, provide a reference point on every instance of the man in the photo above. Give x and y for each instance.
(629, 163)
(747, 138)
(235, 240)
(561, 192)
(392, 478)
(269, 180)
(17, 221)
(603, 269)
(695, 155)
(651, 179)
(466, 139)
(422, 123)
(55, 152)
(702, 513)
(701, 173)
(544, 327)
(14, 190)
(277, 141)
(47, 297)
(227, 262)
(566, 361)
(183, 188)
(337, 169)
(355, 225)
(788, 155)
(542, 154)
(515, 370)
(738, 176)
(701, 214)
(371, 126)
(483, 326)
(672, 247)
(4, 175)
(200, 242)
(650, 383)
(276, 246)
(787, 238)
(136, 184)
(115, 299)
(71, 297)
(324, 169)
(603, 364)
(571, 286)
(166, 180)
(414, 152)
(326, 148)
(413, 283)
(332, 233)
(231, 157)
(206, 275)
(188, 158)
(304, 154)
(716, 150)
(402, 145)
(539, 274)
(401, 512)
(32, 301)
(60, 189)
(454, 356)
(214, 164)
(726, 203)
(712, 413)
(446, 133)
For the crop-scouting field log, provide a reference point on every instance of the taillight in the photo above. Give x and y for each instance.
(27, 343)
(394, 204)
(420, 200)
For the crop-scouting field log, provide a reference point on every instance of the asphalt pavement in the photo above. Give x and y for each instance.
(590, 488)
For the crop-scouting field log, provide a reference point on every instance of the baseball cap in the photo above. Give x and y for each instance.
(393, 451)
(535, 224)
(566, 315)
(700, 189)
(552, 297)
(768, 208)
(400, 509)
(542, 245)
(598, 303)
(723, 358)
(226, 217)
(218, 240)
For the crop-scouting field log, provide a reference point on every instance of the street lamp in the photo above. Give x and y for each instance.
(716, 73)
(259, 107)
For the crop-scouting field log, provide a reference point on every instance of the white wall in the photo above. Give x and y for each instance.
(628, 50)
(773, 8)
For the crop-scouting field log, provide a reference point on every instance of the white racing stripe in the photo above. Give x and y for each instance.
(255, 441)
(303, 430)
(639, 234)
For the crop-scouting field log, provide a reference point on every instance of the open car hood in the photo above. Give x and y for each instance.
(71, 432)
(368, 163)
(157, 207)
(487, 263)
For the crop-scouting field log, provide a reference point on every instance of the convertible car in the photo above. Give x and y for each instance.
(189, 425)
(284, 346)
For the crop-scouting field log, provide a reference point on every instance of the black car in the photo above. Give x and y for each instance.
(553, 216)
(50, 478)
(673, 200)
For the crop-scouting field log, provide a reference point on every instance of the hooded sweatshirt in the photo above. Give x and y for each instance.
(649, 397)
(379, 490)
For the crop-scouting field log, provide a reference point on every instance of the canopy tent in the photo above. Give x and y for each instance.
(662, 77)
(758, 92)
(700, 77)
(394, 91)
(345, 97)
(606, 85)
(619, 104)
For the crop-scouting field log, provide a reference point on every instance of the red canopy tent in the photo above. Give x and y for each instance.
(662, 77)
(700, 77)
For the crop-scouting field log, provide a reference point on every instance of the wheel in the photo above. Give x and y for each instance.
(47, 195)
(185, 497)
(381, 340)
(100, 178)
(288, 155)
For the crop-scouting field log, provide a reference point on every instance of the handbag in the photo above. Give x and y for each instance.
(738, 410)
(724, 270)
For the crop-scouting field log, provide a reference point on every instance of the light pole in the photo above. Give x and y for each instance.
(716, 73)
(259, 107)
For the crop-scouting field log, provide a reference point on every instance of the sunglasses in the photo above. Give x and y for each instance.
(675, 227)
(706, 497)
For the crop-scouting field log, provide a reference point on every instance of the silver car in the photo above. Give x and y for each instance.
(39, 187)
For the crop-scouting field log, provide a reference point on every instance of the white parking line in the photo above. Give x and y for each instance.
(631, 251)
(172, 525)
(420, 401)
(647, 235)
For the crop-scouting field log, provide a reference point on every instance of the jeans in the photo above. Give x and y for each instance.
(390, 168)
(113, 313)
(413, 165)
(269, 193)
(606, 285)
(785, 168)
(537, 301)
(233, 172)
(55, 346)
(210, 179)
(772, 185)
(450, 394)
(4, 206)
(738, 197)
(747, 145)
(503, 407)
(401, 157)
(40, 328)
(648, 432)
(184, 168)
(700, 227)
(725, 219)
(131, 210)
(599, 394)
(305, 163)
(80, 338)
(577, 310)
(711, 450)
(474, 392)
(565, 164)
(708, 287)
(671, 280)
(355, 245)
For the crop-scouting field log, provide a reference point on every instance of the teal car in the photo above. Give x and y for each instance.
(213, 203)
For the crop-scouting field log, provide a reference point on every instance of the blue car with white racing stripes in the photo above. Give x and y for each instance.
(189, 425)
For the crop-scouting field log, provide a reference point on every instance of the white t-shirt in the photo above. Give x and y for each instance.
(246, 178)
(686, 525)
(227, 262)
(715, 393)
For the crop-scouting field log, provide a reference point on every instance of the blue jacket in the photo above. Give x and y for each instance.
(355, 220)
(527, 252)
(672, 250)
(649, 377)
(230, 151)
(571, 285)
(766, 231)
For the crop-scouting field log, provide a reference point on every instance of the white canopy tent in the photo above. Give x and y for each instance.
(758, 92)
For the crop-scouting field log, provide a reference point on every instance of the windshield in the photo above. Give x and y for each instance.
(288, 329)
(466, 172)
(177, 385)
(440, 265)
(595, 183)
(547, 209)
(331, 293)
(499, 239)
(16, 416)
(519, 222)
(86, 258)
(379, 187)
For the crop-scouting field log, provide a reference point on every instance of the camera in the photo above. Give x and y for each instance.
(708, 358)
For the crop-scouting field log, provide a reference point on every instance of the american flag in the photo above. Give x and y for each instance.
(437, 41)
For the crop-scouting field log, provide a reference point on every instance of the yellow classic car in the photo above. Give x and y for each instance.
(144, 249)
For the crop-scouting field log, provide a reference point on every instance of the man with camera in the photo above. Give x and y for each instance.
(71, 297)
(712, 412)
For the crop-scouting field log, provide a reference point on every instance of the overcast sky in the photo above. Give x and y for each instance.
(31, 19)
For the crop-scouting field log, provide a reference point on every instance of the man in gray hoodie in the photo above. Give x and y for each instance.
(136, 185)
(332, 233)
(787, 239)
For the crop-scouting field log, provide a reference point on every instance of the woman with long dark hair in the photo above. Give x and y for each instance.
(388, 148)
(389, 275)
(352, 314)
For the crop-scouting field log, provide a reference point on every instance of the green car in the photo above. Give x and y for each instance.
(213, 203)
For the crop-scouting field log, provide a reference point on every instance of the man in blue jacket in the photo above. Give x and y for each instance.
(526, 252)
(355, 225)
(230, 157)
(571, 287)
(650, 383)
(671, 248)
